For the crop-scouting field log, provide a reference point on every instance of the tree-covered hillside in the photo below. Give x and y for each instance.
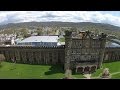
(43, 28)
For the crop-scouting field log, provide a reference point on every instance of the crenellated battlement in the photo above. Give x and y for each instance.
(28, 46)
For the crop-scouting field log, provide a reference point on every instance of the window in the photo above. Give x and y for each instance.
(73, 57)
(83, 51)
(78, 51)
(93, 56)
(74, 44)
(35, 61)
(87, 37)
(50, 60)
(87, 44)
(27, 60)
(50, 57)
(74, 51)
(80, 44)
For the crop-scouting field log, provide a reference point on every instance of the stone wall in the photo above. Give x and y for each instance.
(33, 55)
(44, 55)
(112, 54)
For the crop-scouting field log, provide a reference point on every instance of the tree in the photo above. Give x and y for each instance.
(105, 73)
(24, 32)
(73, 29)
(39, 31)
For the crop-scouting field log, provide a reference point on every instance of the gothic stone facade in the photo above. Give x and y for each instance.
(84, 52)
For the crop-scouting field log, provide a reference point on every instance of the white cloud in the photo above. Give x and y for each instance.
(65, 16)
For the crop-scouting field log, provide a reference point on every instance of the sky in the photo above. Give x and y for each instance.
(108, 17)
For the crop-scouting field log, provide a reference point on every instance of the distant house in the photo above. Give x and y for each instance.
(7, 42)
(48, 41)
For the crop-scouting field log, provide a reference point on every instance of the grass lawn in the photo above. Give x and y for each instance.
(25, 71)
(114, 69)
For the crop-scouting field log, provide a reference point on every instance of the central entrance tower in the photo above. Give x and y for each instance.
(84, 51)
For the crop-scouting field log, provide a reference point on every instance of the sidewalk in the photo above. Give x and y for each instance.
(88, 76)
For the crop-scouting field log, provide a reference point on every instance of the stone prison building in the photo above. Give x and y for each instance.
(82, 52)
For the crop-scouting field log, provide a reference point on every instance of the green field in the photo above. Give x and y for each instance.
(25, 71)
(114, 69)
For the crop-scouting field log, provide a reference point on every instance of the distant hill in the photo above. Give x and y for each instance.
(60, 24)
(97, 27)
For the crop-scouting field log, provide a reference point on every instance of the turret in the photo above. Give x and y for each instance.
(12, 41)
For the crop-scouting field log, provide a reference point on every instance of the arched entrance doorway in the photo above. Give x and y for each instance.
(80, 69)
(93, 68)
(87, 69)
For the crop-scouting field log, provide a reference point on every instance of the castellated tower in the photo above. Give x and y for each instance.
(84, 51)
(68, 43)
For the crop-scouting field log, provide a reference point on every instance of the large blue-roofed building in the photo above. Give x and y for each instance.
(47, 41)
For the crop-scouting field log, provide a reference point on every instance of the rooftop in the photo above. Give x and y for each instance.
(116, 40)
(41, 39)
(112, 44)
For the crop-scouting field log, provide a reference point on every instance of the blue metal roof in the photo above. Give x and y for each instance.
(111, 44)
(41, 39)
(116, 40)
